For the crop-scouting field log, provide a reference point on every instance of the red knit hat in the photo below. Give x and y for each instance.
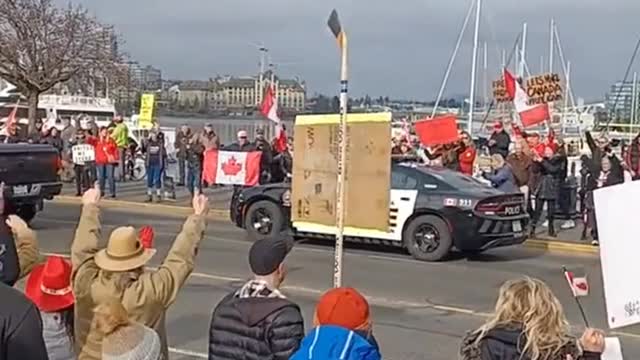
(344, 307)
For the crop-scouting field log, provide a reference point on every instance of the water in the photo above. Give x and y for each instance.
(227, 128)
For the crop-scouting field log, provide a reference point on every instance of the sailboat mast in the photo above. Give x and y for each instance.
(523, 50)
(474, 65)
(634, 105)
(485, 84)
(552, 27)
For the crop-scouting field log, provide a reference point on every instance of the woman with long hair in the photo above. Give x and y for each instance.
(529, 324)
(49, 288)
(124, 339)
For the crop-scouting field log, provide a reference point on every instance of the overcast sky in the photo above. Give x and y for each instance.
(397, 48)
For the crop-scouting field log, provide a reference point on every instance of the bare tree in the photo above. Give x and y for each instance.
(42, 45)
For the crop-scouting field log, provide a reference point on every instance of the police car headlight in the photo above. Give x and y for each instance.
(286, 198)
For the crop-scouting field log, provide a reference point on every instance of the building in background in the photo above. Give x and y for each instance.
(234, 94)
(144, 77)
(619, 101)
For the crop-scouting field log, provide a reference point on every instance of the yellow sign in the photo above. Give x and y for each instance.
(145, 118)
(540, 89)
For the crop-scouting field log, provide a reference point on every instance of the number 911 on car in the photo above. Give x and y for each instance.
(432, 211)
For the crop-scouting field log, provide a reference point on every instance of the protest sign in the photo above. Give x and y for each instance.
(83, 153)
(438, 130)
(616, 216)
(540, 89)
(612, 349)
(145, 118)
(368, 171)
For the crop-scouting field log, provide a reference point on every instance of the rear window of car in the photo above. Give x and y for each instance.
(452, 178)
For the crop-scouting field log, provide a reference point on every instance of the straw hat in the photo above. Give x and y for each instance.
(49, 285)
(124, 251)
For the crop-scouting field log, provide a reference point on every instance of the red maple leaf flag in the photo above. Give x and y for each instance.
(438, 130)
(530, 115)
(577, 282)
(231, 167)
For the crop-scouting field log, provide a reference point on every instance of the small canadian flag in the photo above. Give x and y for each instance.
(231, 167)
(577, 282)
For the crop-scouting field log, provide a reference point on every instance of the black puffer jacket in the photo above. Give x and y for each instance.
(507, 343)
(255, 328)
(551, 172)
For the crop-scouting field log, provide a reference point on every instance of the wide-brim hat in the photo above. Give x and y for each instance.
(124, 251)
(49, 285)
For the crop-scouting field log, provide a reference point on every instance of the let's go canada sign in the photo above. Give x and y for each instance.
(540, 89)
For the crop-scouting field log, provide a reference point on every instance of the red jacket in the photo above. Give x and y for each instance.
(106, 150)
(466, 159)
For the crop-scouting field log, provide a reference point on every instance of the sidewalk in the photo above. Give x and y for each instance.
(133, 195)
(136, 191)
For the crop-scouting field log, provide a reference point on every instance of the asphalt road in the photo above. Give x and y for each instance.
(420, 310)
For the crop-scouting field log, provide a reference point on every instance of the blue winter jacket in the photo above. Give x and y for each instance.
(503, 179)
(333, 343)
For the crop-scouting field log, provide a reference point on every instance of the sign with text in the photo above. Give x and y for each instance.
(367, 170)
(616, 216)
(540, 89)
(145, 118)
(83, 153)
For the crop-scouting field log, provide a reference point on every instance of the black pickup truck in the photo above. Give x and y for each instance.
(30, 175)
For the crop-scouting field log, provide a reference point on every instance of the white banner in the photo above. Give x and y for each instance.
(83, 153)
(617, 209)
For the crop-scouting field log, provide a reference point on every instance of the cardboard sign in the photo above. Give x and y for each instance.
(438, 130)
(540, 89)
(83, 153)
(616, 216)
(368, 170)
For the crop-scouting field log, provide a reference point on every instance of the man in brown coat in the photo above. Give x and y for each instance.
(118, 273)
(520, 161)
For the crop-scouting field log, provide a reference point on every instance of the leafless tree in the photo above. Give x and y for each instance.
(42, 45)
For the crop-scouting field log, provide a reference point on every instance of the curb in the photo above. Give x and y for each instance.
(214, 214)
(548, 245)
(555, 246)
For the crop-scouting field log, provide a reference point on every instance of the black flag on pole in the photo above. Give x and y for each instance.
(336, 29)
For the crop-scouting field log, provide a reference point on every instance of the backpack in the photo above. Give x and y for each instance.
(333, 343)
(9, 266)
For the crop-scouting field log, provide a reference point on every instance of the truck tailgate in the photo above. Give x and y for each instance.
(28, 164)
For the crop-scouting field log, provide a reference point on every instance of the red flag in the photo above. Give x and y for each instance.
(231, 167)
(577, 283)
(146, 236)
(269, 110)
(438, 130)
(270, 105)
(530, 115)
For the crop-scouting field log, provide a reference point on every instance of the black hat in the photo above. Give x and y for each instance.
(267, 254)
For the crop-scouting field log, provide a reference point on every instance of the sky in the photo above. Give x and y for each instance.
(396, 48)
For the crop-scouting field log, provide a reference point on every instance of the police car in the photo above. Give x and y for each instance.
(432, 211)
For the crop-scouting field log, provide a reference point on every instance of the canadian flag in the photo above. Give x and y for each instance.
(231, 167)
(578, 283)
(270, 111)
(529, 114)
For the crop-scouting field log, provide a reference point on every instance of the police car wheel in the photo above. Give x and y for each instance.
(427, 238)
(263, 219)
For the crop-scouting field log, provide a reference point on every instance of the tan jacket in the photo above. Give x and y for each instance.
(27, 249)
(146, 298)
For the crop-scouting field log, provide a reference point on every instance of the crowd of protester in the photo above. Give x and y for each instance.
(106, 304)
(536, 166)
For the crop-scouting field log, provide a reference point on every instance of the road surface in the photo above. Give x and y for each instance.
(420, 310)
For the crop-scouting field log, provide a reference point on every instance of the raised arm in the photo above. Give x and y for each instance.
(88, 233)
(26, 244)
(164, 283)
